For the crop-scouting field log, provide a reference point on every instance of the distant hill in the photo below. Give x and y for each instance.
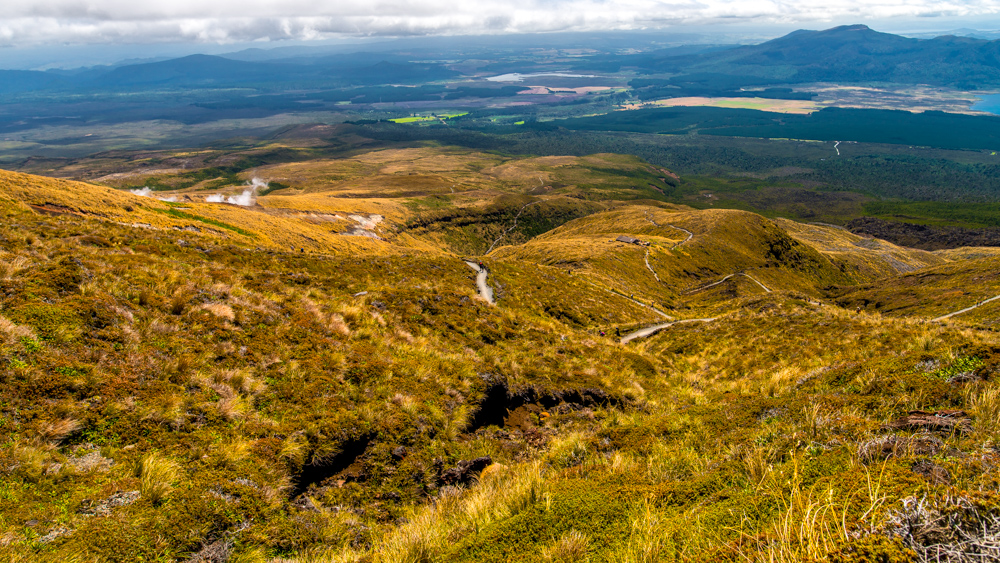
(853, 53)
(17, 81)
(360, 69)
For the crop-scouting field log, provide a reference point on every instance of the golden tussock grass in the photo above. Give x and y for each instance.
(571, 547)
(157, 475)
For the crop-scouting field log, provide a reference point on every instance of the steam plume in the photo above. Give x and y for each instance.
(245, 199)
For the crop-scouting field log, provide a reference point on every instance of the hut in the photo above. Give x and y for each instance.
(631, 240)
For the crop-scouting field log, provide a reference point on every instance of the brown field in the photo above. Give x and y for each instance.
(763, 104)
(910, 98)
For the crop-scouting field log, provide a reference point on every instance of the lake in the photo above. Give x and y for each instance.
(518, 77)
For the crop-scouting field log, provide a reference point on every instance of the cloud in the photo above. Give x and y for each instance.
(229, 21)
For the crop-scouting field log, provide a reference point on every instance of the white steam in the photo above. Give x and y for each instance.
(245, 199)
(147, 192)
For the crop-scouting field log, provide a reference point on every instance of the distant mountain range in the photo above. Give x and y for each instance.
(852, 53)
(209, 71)
(847, 54)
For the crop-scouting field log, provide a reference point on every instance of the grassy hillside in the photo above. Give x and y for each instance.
(175, 394)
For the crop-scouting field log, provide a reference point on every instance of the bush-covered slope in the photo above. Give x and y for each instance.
(173, 395)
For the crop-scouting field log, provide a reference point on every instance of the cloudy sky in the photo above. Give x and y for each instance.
(25, 23)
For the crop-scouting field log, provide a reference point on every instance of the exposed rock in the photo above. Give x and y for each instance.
(104, 507)
(305, 503)
(88, 458)
(965, 377)
(54, 534)
(465, 471)
(939, 421)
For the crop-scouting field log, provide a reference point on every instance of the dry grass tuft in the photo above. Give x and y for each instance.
(571, 547)
(157, 475)
(12, 330)
(58, 430)
(985, 407)
(220, 310)
(431, 531)
(569, 450)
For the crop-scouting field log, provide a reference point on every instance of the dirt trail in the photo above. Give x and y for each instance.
(966, 310)
(481, 274)
(748, 276)
(653, 329)
(512, 227)
(650, 268)
(655, 224)
(689, 233)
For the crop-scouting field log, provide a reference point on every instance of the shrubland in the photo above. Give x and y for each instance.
(227, 394)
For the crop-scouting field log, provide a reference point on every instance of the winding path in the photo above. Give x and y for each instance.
(655, 224)
(481, 273)
(967, 309)
(653, 329)
(690, 236)
(650, 268)
(751, 278)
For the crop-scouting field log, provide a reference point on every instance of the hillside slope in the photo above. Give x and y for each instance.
(175, 395)
(849, 53)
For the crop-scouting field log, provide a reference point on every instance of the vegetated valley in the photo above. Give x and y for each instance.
(573, 338)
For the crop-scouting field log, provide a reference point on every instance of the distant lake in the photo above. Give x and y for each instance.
(518, 77)
(990, 103)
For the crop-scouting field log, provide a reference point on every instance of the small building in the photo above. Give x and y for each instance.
(631, 240)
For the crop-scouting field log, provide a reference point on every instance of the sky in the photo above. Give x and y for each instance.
(40, 26)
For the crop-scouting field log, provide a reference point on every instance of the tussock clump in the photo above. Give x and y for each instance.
(984, 404)
(178, 302)
(569, 450)
(56, 431)
(14, 331)
(571, 547)
(338, 325)
(9, 267)
(157, 475)
(429, 533)
(220, 310)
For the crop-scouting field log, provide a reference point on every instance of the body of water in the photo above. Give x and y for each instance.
(518, 77)
(990, 103)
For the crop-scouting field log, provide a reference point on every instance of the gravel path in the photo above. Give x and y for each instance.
(653, 329)
(965, 310)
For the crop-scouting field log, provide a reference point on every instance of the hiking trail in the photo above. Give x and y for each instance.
(655, 224)
(748, 276)
(966, 310)
(653, 329)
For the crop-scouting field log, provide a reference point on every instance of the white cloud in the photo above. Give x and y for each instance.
(228, 21)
